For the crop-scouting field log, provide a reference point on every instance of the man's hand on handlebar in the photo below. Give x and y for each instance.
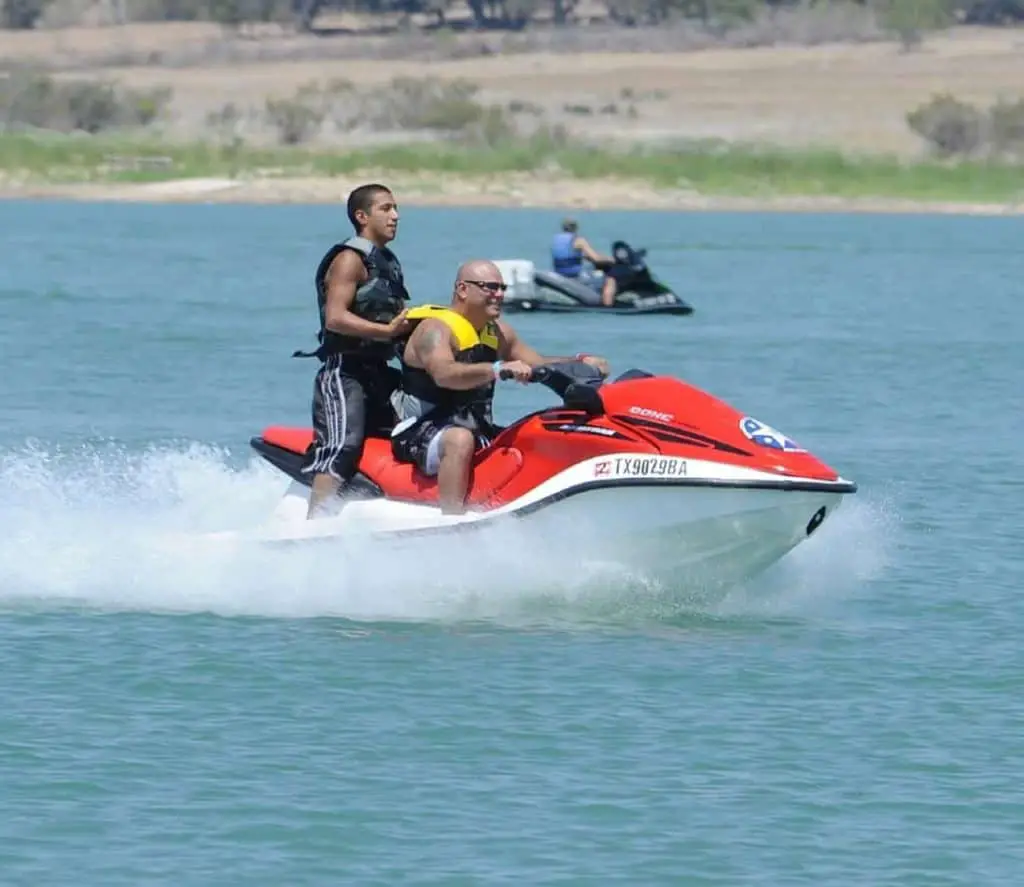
(515, 369)
(598, 363)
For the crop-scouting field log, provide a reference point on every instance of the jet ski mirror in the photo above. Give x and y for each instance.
(624, 254)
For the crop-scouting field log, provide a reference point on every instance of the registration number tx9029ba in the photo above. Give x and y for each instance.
(641, 466)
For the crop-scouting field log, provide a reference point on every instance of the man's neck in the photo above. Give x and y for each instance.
(377, 242)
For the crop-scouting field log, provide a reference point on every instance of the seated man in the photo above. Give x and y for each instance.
(569, 249)
(449, 367)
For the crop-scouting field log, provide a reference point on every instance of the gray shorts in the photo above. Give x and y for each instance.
(432, 459)
(418, 441)
(423, 445)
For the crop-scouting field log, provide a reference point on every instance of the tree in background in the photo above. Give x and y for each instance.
(22, 14)
(909, 19)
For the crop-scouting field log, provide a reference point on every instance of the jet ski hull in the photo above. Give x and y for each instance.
(548, 306)
(707, 526)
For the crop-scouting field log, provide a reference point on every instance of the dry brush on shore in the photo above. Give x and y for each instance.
(339, 114)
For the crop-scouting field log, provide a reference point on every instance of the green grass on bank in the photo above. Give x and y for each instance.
(734, 171)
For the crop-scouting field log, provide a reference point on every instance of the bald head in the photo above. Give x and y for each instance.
(478, 269)
(478, 291)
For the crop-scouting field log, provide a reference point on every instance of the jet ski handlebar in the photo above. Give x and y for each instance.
(551, 373)
(574, 381)
(538, 375)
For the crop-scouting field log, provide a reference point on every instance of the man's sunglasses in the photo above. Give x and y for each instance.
(489, 285)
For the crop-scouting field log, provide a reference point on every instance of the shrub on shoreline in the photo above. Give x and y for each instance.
(29, 99)
(954, 128)
(442, 108)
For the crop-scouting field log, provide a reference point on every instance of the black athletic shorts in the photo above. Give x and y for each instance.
(351, 400)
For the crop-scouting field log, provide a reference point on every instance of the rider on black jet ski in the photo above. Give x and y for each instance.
(449, 367)
(568, 250)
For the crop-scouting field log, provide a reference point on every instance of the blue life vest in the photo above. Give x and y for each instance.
(564, 259)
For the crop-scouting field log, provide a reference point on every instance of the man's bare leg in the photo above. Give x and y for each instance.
(608, 291)
(457, 446)
(324, 488)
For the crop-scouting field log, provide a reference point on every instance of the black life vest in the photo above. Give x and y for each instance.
(380, 299)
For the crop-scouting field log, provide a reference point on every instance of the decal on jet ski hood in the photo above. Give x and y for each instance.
(651, 414)
(766, 436)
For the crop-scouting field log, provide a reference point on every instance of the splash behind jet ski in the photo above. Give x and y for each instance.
(639, 290)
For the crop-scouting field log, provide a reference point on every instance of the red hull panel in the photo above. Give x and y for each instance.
(657, 415)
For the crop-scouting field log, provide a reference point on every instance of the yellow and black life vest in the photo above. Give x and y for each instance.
(472, 347)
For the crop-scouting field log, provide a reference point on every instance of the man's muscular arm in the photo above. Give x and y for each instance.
(431, 348)
(511, 347)
(344, 277)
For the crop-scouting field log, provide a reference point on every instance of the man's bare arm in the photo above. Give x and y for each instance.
(511, 347)
(432, 349)
(583, 246)
(344, 277)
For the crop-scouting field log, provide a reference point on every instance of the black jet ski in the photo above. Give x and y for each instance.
(640, 292)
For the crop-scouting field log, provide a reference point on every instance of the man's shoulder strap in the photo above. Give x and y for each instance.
(491, 335)
(360, 245)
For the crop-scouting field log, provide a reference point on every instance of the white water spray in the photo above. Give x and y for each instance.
(104, 528)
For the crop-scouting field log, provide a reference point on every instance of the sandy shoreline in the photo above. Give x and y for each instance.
(510, 190)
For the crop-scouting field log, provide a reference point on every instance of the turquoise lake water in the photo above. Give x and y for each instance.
(854, 716)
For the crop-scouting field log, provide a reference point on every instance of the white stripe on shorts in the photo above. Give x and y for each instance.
(332, 396)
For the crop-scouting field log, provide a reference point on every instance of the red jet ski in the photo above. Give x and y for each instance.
(642, 458)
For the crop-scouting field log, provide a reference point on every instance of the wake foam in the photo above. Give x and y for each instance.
(104, 528)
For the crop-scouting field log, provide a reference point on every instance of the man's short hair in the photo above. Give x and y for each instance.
(362, 198)
(569, 226)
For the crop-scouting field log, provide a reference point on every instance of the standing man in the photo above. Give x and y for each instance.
(361, 296)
